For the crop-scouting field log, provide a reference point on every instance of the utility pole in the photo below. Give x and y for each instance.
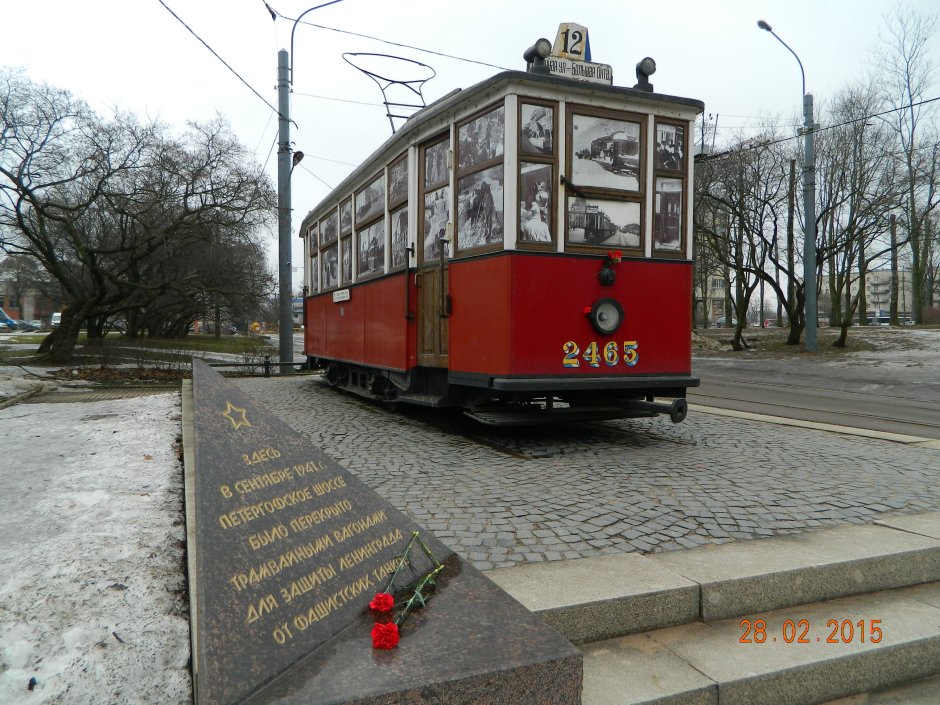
(285, 318)
(809, 229)
(809, 201)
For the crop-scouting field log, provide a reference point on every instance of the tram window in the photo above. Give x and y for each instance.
(347, 258)
(435, 164)
(604, 223)
(398, 181)
(330, 267)
(370, 201)
(345, 217)
(535, 203)
(328, 230)
(667, 215)
(314, 237)
(480, 209)
(537, 129)
(372, 249)
(605, 152)
(314, 274)
(670, 147)
(481, 139)
(436, 217)
(400, 237)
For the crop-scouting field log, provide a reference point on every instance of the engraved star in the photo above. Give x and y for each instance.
(237, 422)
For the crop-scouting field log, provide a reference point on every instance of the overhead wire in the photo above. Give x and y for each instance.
(770, 143)
(340, 100)
(315, 176)
(224, 62)
(391, 43)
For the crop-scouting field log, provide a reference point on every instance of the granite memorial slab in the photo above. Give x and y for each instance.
(288, 549)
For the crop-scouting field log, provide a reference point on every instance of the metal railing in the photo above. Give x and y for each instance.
(266, 365)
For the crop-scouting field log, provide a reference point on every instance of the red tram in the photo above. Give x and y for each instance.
(463, 265)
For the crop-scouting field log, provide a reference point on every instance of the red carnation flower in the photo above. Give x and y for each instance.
(385, 635)
(382, 602)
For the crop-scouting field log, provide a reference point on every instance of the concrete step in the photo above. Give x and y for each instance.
(707, 663)
(925, 692)
(599, 598)
(667, 628)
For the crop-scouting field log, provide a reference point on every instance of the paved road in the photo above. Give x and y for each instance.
(501, 497)
(847, 395)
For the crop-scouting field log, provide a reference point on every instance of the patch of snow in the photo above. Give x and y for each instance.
(92, 601)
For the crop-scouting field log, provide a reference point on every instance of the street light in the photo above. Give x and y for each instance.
(809, 202)
(285, 165)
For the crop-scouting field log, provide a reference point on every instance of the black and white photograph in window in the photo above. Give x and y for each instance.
(535, 203)
(670, 142)
(603, 223)
(398, 181)
(436, 216)
(481, 139)
(400, 237)
(314, 274)
(435, 163)
(347, 259)
(480, 209)
(372, 249)
(667, 215)
(314, 236)
(537, 129)
(328, 229)
(606, 153)
(330, 267)
(345, 216)
(370, 201)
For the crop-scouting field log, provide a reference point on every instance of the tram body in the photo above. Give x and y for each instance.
(485, 258)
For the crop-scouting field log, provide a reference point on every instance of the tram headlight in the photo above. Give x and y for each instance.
(606, 315)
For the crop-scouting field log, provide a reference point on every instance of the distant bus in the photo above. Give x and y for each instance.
(886, 320)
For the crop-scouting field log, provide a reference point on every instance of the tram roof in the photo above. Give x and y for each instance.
(404, 136)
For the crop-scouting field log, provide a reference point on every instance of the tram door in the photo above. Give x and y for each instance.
(432, 278)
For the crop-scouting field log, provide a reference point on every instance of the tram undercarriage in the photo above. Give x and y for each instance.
(516, 401)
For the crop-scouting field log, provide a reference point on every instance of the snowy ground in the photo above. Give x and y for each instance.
(92, 603)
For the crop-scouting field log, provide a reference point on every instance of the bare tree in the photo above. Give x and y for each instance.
(116, 210)
(857, 190)
(741, 198)
(908, 80)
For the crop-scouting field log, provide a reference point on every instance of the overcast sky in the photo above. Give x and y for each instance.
(135, 55)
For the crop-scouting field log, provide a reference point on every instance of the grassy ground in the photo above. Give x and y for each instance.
(771, 342)
(119, 357)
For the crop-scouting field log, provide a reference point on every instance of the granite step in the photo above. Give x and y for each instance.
(667, 629)
(924, 692)
(598, 598)
(706, 663)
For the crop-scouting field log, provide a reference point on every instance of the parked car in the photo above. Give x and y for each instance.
(36, 324)
(25, 326)
(56, 320)
(6, 323)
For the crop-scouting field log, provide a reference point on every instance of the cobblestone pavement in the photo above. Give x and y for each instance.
(506, 496)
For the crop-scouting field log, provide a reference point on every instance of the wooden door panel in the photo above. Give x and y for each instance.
(432, 326)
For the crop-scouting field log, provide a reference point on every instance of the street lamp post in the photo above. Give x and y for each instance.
(809, 203)
(285, 164)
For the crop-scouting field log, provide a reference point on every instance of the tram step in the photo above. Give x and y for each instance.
(701, 663)
(559, 414)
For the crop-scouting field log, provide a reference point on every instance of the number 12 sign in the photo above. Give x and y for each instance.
(571, 42)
